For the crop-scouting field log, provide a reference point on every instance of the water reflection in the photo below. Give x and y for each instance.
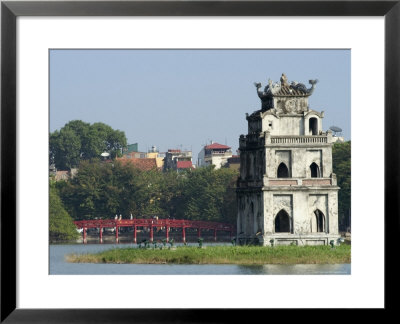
(296, 269)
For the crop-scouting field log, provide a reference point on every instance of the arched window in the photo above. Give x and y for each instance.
(318, 221)
(282, 222)
(283, 171)
(315, 173)
(313, 126)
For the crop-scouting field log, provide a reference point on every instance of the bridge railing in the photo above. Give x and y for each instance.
(93, 223)
(151, 223)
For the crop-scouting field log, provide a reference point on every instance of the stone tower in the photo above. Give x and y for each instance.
(286, 191)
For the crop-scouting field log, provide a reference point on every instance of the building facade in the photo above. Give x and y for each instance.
(286, 191)
(176, 159)
(214, 154)
(233, 162)
(153, 153)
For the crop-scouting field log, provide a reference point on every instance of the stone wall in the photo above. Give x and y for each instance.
(300, 206)
(250, 213)
(298, 160)
(286, 131)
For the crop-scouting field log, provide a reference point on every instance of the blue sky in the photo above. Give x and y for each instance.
(186, 98)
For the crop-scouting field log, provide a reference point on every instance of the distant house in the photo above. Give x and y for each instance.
(144, 164)
(132, 148)
(154, 154)
(337, 139)
(136, 155)
(233, 162)
(63, 175)
(214, 154)
(183, 165)
(177, 160)
(151, 154)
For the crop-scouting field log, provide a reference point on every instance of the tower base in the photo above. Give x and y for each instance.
(291, 239)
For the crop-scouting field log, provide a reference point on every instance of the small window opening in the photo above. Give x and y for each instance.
(319, 225)
(313, 126)
(315, 173)
(283, 171)
(282, 222)
(270, 124)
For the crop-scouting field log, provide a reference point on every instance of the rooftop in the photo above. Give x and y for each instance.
(184, 164)
(144, 164)
(291, 90)
(217, 146)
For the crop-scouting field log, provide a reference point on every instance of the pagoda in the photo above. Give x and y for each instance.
(287, 192)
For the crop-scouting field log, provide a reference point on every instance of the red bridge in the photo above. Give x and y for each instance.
(166, 224)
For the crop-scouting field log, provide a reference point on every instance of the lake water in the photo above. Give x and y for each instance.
(58, 265)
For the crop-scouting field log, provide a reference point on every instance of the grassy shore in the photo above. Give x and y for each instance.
(221, 255)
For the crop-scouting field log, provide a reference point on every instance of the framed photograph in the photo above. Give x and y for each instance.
(92, 88)
(52, 49)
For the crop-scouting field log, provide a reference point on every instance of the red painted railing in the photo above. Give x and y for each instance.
(166, 224)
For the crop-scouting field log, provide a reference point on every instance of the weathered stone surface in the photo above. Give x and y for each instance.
(285, 139)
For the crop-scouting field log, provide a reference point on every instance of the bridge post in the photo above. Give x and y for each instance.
(116, 233)
(101, 235)
(151, 233)
(134, 234)
(199, 232)
(166, 233)
(183, 234)
(215, 234)
(84, 236)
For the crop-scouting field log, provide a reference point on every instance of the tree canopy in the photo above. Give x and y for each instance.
(341, 156)
(61, 226)
(78, 141)
(102, 190)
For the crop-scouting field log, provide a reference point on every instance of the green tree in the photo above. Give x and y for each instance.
(65, 149)
(101, 190)
(172, 187)
(140, 191)
(93, 193)
(209, 194)
(341, 159)
(61, 226)
(78, 141)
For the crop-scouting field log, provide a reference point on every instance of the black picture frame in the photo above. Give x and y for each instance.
(10, 10)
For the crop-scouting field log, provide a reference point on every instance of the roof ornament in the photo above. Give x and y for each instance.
(298, 86)
(282, 88)
(313, 83)
(284, 80)
(265, 94)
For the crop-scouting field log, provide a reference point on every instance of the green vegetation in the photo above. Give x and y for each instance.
(249, 255)
(101, 190)
(78, 141)
(341, 156)
(61, 225)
